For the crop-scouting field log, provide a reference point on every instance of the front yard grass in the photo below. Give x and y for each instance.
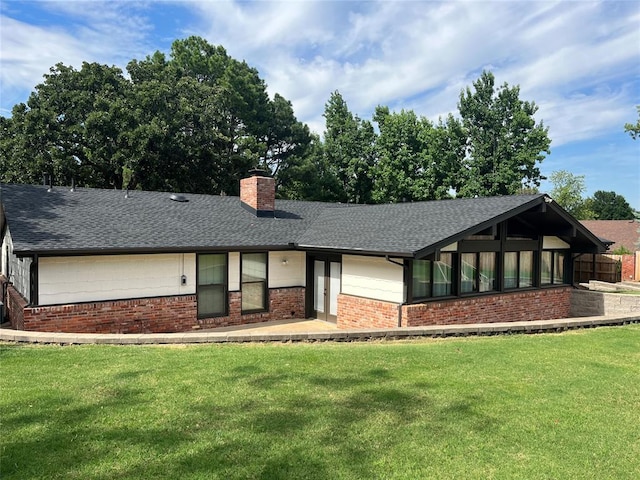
(552, 406)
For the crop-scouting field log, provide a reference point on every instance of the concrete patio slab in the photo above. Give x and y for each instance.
(313, 330)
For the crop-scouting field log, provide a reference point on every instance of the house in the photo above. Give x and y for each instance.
(619, 234)
(89, 260)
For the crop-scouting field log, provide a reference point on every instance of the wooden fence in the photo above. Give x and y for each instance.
(606, 268)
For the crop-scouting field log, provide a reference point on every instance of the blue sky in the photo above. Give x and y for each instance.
(578, 60)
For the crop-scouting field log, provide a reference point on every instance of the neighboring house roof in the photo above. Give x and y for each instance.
(624, 233)
(92, 221)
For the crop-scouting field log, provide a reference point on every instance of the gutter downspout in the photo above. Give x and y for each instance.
(404, 302)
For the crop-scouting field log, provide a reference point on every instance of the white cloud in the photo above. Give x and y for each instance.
(103, 32)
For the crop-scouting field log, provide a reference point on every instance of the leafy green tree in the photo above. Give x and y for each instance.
(567, 191)
(286, 139)
(69, 128)
(504, 142)
(610, 206)
(633, 129)
(415, 158)
(349, 150)
(308, 176)
(194, 122)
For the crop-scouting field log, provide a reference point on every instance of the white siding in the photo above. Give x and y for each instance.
(450, 248)
(112, 277)
(18, 268)
(287, 269)
(234, 271)
(549, 243)
(372, 277)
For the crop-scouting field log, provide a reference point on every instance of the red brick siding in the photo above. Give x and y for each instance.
(154, 315)
(629, 268)
(359, 312)
(504, 307)
(258, 192)
(14, 304)
(356, 312)
(284, 303)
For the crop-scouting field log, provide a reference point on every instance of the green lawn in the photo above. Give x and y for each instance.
(553, 406)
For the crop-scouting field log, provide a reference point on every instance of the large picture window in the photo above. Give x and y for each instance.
(552, 267)
(433, 279)
(518, 269)
(478, 270)
(212, 285)
(254, 282)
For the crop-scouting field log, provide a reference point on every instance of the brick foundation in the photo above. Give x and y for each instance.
(359, 312)
(14, 304)
(147, 315)
(356, 312)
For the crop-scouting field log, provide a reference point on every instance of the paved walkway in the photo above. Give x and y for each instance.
(315, 330)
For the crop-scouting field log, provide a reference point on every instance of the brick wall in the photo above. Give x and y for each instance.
(284, 303)
(14, 304)
(628, 268)
(543, 304)
(359, 312)
(151, 315)
(356, 312)
(258, 192)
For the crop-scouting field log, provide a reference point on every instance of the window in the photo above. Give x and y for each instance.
(546, 267)
(526, 269)
(478, 272)
(421, 278)
(212, 285)
(433, 279)
(469, 280)
(518, 269)
(552, 267)
(442, 275)
(558, 267)
(254, 282)
(487, 274)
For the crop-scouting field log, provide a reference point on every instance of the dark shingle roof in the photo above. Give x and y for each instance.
(407, 228)
(104, 221)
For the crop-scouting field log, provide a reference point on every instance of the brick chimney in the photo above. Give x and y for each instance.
(258, 193)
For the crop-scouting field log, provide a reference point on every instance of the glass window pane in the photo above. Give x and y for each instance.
(558, 271)
(487, 271)
(442, 275)
(545, 266)
(526, 269)
(254, 267)
(469, 267)
(254, 281)
(211, 269)
(510, 269)
(212, 288)
(211, 300)
(253, 297)
(421, 278)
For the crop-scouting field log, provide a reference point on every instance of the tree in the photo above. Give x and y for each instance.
(415, 158)
(349, 150)
(194, 122)
(633, 129)
(567, 192)
(286, 139)
(69, 128)
(610, 206)
(504, 142)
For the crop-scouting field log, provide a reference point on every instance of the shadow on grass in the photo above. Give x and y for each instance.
(255, 423)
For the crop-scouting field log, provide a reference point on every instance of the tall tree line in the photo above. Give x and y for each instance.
(199, 120)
